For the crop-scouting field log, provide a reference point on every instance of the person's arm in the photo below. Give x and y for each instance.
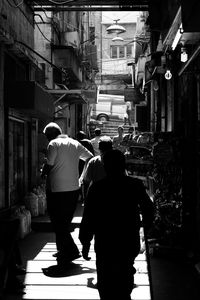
(48, 165)
(84, 153)
(84, 174)
(45, 170)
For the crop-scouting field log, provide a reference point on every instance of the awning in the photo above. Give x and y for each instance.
(74, 96)
(30, 97)
(67, 96)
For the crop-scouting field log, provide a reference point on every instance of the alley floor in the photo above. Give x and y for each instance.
(172, 277)
(43, 281)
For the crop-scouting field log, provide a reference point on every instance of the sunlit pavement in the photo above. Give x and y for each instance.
(44, 281)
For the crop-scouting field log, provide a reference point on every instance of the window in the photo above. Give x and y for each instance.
(129, 51)
(113, 51)
(92, 35)
(20, 161)
(16, 161)
(121, 51)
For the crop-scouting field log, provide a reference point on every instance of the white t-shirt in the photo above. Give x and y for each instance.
(95, 144)
(63, 153)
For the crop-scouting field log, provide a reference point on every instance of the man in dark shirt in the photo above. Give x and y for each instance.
(112, 216)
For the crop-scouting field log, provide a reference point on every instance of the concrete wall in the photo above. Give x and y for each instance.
(2, 154)
(16, 23)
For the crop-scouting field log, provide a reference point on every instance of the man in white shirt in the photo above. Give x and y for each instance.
(95, 141)
(94, 170)
(62, 187)
(117, 140)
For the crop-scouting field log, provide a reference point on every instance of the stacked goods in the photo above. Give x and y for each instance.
(40, 193)
(32, 204)
(167, 177)
(24, 217)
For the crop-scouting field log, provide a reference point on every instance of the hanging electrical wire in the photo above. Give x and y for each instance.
(15, 5)
(53, 25)
(43, 33)
(62, 70)
(72, 26)
(42, 9)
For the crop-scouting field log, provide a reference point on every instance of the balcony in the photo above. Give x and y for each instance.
(66, 57)
(31, 98)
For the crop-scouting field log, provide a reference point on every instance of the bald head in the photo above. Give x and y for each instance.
(52, 130)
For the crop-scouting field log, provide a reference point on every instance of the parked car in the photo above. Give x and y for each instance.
(109, 107)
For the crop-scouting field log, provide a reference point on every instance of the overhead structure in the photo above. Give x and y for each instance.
(115, 28)
(89, 5)
(118, 39)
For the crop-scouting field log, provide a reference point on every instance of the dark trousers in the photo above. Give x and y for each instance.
(61, 207)
(115, 280)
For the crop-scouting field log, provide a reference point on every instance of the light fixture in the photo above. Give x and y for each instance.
(184, 55)
(177, 37)
(115, 28)
(168, 74)
(155, 85)
(117, 39)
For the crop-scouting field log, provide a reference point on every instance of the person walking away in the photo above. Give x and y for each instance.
(62, 188)
(128, 138)
(117, 140)
(112, 216)
(127, 116)
(95, 141)
(94, 170)
(81, 137)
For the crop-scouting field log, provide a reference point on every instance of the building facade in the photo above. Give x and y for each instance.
(46, 74)
(172, 82)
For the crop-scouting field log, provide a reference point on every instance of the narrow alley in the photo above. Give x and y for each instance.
(58, 59)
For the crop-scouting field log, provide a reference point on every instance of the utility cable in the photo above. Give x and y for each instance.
(38, 54)
(42, 9)
(43, 33)
(16, 5)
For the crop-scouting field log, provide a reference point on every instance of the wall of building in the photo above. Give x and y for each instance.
(16, 23)
(18, 127)
(2, 131)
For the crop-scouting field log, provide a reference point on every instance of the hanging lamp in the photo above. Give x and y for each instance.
(115, 28)
(117, 39)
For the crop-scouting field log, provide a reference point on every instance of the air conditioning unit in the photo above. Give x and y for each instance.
(71, 38)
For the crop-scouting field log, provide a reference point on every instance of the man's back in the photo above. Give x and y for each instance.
(64, 154)
(114, 206)
(95, 170)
